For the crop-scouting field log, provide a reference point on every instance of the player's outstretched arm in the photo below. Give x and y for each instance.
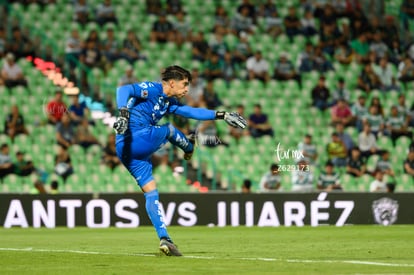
(232, 118)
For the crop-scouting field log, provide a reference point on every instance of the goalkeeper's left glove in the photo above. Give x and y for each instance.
(121, 123)
(233, 119)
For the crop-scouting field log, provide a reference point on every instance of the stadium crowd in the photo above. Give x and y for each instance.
(338, 36)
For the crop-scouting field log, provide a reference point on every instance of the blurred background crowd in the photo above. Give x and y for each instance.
(331, 79)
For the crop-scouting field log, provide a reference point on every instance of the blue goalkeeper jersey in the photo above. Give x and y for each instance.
(147, 104)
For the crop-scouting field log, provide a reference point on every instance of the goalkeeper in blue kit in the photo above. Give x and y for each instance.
(141, 106)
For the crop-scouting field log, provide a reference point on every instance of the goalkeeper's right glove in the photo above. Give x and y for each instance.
(121, 123)
(233, 119)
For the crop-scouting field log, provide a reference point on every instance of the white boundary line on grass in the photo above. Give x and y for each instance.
(29, 249)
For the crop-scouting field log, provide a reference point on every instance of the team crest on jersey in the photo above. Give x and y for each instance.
(385, 211)
(144, 94)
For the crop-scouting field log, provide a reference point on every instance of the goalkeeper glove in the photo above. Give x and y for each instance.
(233, 119)
(121, 123)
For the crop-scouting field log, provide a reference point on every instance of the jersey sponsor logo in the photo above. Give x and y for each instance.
(144, 94)
(385, 211)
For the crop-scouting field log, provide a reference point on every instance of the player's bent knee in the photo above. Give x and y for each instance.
(149, 186)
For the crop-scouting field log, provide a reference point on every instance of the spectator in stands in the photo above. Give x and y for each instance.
(403, 110)
(65, 132)
(341, 113)
(217, 43)
(200, 48)
(81, 12)
(56, 108)
(174, 6)
(267, 8)
(407, 13)
(242, 50)
(131, 48)
(378, 185)
(343, 54)
(11, 73)
(341, 92)
(251, 8)
(210, 98)
(90, 57)
(408, 164)
(73, 48)
(162, 30)
(344, 136)
(257, 67)
(368, 80)
(229, 68)
(78, 111)
(285, 70)
(378, 46)
(241, 22)
(359, 111)
(14, 123)
(329, 39)
(105, 13)
(308, 150)
(238, 133)
(391, 31)
(6, 163)
(182, 28)
(195, 98)
(321, 61)
(213, 67)
(153, 6)
(397, 125)
(259, 124)
(221, 19)
(3, 40)
(376, 101)
(367, 143)
(306, 59)
(329, 180)
(246, 187)
(271, 180)
(384, 164)
(308, 24)
(321, 95)
(54, 187)
(63, 164)
(111, 48)
(356, 164)
(83, 135)
(109, 157)
(386, 76)
(337, 151)
(302, 178)
(273, 24)
(19, 44)
(406, 71)
(128, 77)
(375, 121)
(23, 167)
(292, 24)
(360, 48)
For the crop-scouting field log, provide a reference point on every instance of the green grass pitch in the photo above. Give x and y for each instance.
(210, 250)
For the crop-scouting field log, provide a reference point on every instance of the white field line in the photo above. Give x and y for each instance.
(35, 250)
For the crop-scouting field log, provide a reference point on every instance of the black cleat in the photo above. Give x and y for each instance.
(169, 249)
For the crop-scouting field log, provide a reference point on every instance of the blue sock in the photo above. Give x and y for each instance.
(177, 138)
(152, 207)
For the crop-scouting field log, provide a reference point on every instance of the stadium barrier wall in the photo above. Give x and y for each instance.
(214, 209)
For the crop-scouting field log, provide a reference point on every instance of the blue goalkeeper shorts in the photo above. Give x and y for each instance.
(135, 150)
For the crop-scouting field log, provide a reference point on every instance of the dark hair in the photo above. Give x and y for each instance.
(329, 163)
(247, 183)
(4, 145)
(54, 184)
(274, 166)
(176, 73)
